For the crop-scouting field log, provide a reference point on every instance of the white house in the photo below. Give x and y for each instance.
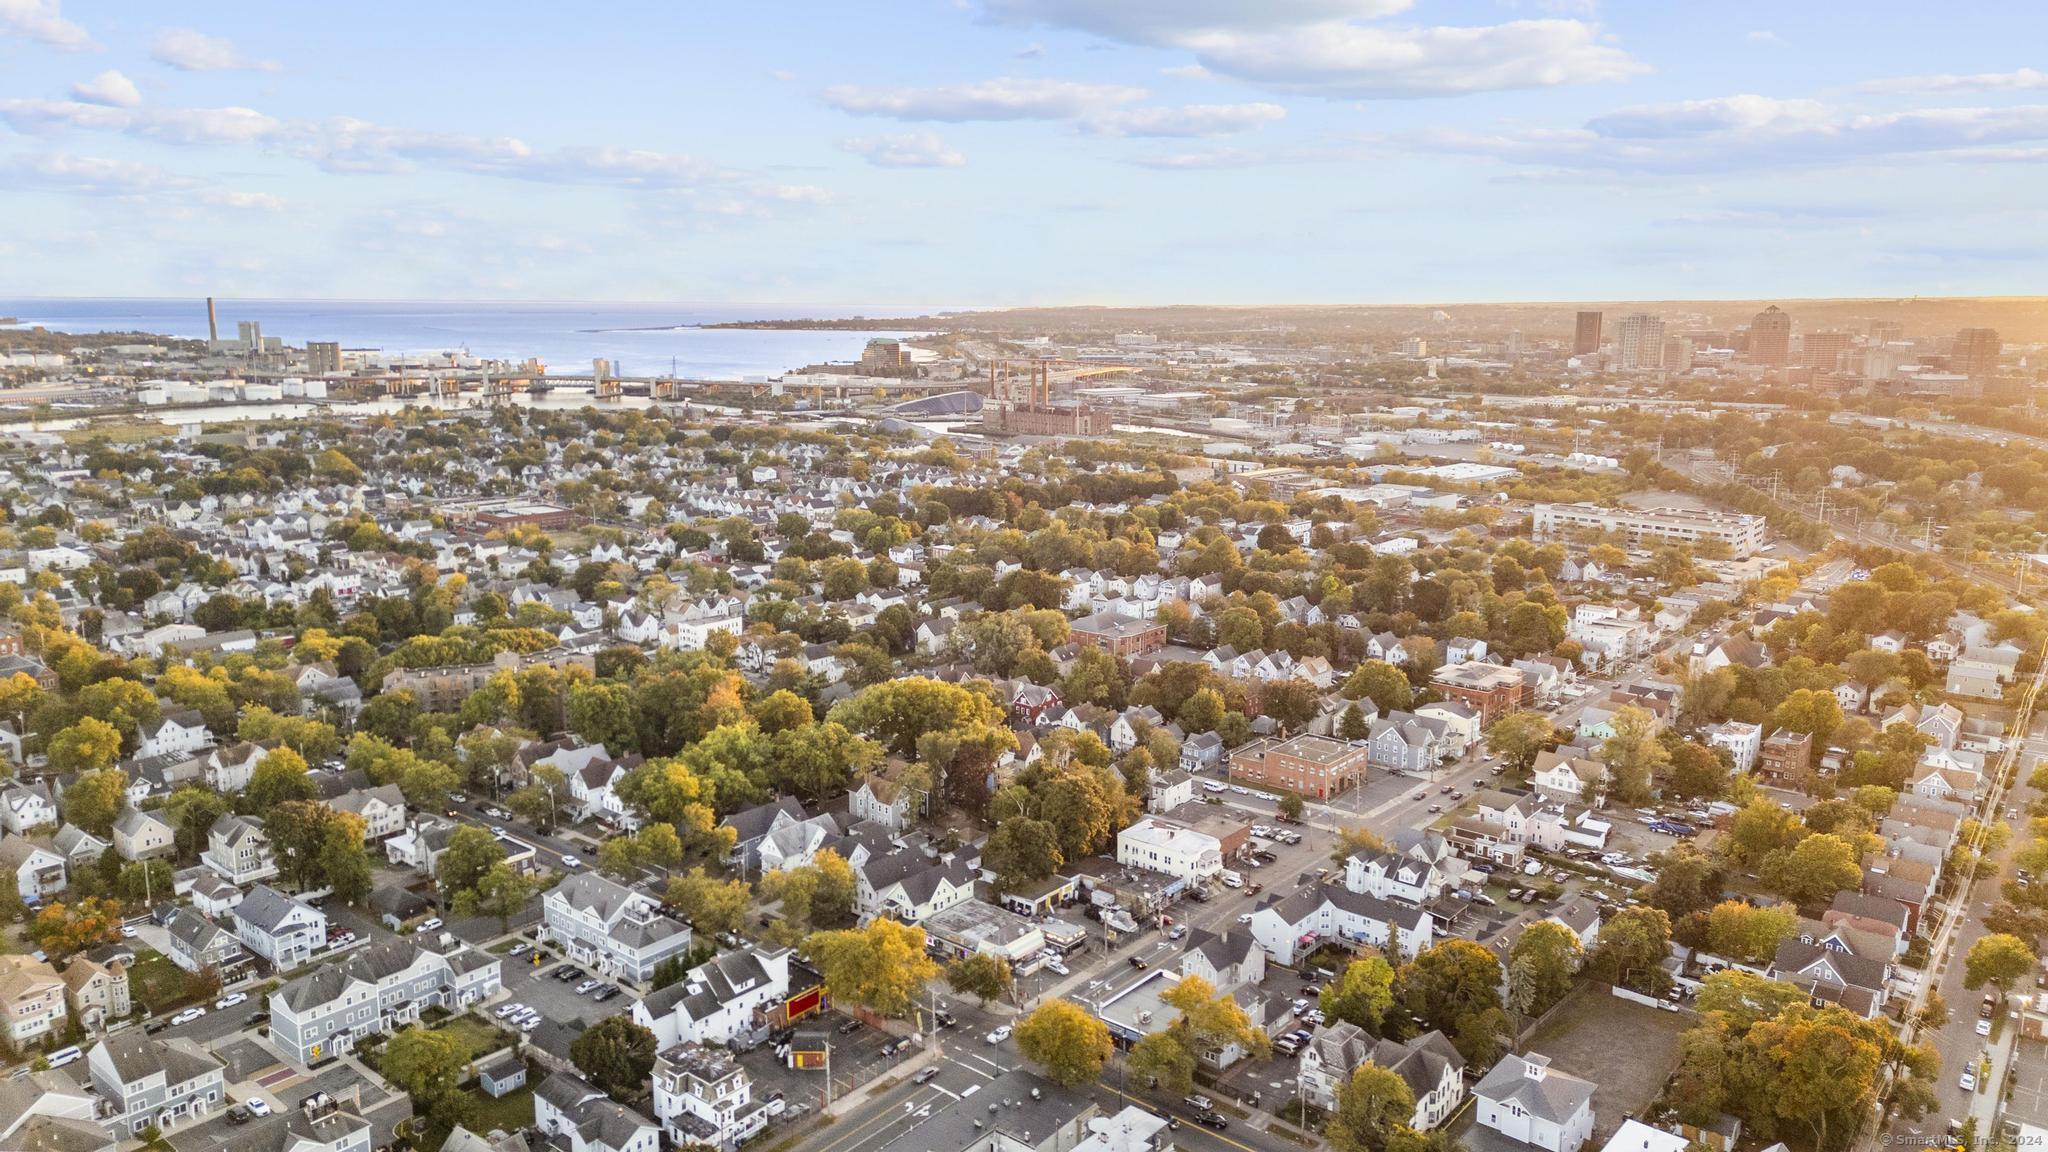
(1160, 845)
(1524, 1099)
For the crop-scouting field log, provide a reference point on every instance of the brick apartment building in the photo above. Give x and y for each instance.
(1488, 689)
(1315, 766)
(1118, 635)
(1786, 757)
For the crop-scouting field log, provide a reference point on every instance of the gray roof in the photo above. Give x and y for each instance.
(1555, 1096)
(266, 908)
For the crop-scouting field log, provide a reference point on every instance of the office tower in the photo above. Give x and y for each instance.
(1887, 331)
(1641, 343)
(1678, 354)
(1770, 338)
(1881, 361)
(1975, 353)
(1822, 351)
(323, 357)
(1586, 338)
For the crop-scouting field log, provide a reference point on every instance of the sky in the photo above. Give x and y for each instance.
(990, 152)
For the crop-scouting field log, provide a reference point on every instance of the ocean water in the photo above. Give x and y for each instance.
(640, 339)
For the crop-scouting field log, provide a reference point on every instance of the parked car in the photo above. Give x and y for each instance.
(571, 863)
(430, 924)
(850, 1027)
(188, 1015)
(1058, 968)
(1199, 1102)
(256, 1106)
(1212, 1120)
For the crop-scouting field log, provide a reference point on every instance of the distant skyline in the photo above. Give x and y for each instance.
(993, 152)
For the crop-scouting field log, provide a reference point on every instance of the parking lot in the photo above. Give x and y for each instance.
(556, 1000)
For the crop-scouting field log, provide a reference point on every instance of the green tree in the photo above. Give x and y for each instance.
(1449, 987)
(423, 1062)
(1381, 683)
(1361, 994)
(1067, 1041)
(1744, 932)
(1518, 736)
(981, 976)
(602, 713)
(616, 1054)
(1688, 881)
(470, 853)
(97, 799)
(1372, 1106)
(1633, 945)
(279, 776)
(1541, 966)
(87, 746)
(501, 892)
(882, 967)
(1812, 871)
(1998, 960)
(1633, 755)
(711, 905)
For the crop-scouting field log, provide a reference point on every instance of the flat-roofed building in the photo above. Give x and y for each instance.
(1488, 689)
(1743, 533)
(1317, 766)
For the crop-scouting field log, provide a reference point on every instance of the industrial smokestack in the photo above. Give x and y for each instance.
(212, 323)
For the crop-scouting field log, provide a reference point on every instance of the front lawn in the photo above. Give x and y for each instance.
(478, 1037)
(507, 1114)
(158, 984)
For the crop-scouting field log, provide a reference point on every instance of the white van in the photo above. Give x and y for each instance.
(63, 1056)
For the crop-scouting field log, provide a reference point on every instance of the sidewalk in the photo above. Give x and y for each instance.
(932, 1054)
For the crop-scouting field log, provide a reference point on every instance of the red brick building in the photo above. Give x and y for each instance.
(1315, 766)
(1488, 689)
(1118, 635)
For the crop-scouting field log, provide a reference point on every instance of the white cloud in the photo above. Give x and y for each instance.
(42, 21)
(110, 88)
(88, 176)
(190, 51)
(1748, 133)
(1030, 51)
(348, 145)
(1764, 36)
(1326, 47)
(2019, 80)
(1186, 72)
(1186, 120)
(905, 150)
(244, 201)
(1006, 98)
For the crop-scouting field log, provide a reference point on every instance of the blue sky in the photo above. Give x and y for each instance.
(1023, 151)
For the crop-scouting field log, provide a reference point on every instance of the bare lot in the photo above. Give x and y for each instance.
(1627, 1049)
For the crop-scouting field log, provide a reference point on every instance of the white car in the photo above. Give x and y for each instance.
(999, 1035)
(1212, 786)
(127, 932)
(188, 1015)
(256, 1106)
(231, 999)
(586, 986)
(1246, 918)
(430, 923)
(1056, 966)
(1969, 1080)
(1240, 789)
(1983, 1027)
(571, 863)
(529, 1023)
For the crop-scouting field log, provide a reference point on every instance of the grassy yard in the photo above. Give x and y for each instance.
(478, 1038)
(157, 983)
(508, 1114)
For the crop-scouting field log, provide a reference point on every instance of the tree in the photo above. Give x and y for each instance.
(1067, 1041)
(470, 853)
(1361, 994)
(1353, 725)
(278, 777)
(426, 1063)
(500, 892)
(1697, 772)
(1811, 710)
(1291, 806)
(1022, 851)
(1631, 951)
(1381, 683)
(602, 713)
(62, 929)
(1540, 967)
(143, 880)
(1688, 881)
(97, 799)
(881, 967)
(1449, 985)
(1998, 960)
(87, 746)
(1744, 932)
(981, 976)
(1745, 997)
(710, 904)
(1165, 1059)
(1633, 755)
(1205, 1021)
(1518, 736)
(1812, 871)
(1289, 703)
(1372, 1105)
(616, 1054)
(1759, 829)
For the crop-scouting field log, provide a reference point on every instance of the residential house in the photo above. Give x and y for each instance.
(1526, 1100)
(147, 1082)
(98, 993)
(1569, 779)
(1432, 1068)
(726, 997)
(25, 807)
(377, 990)
(577, 1117)
(1294, 925)
(31, 997)
(382, 809)
(39, 873)
(281, 929)
(197, 944)
(607, 926)
(1743, 742)
(179, 733)
(238, 849)
(703, 1097)
(140, 835)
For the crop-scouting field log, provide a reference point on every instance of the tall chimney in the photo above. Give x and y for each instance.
(212, 323)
